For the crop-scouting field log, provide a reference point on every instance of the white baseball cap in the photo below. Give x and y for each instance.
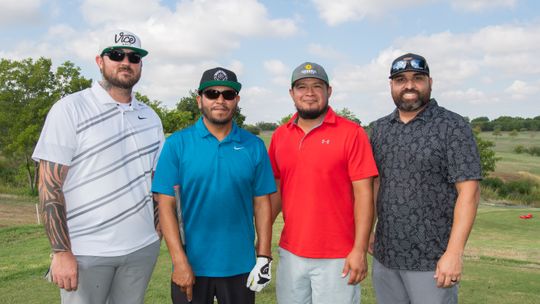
(121, 39)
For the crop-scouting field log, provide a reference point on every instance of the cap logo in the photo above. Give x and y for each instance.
(220, 75)
(308, 67)
(124, 39)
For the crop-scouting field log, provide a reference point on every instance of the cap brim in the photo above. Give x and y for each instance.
(309, 76)
(137, 50)
(231, 84)
(411, 70)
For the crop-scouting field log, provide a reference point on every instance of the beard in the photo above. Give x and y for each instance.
(311, 113)
(113, 79)
(408, 106)
(207, 113)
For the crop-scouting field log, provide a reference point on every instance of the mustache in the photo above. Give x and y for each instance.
(125, 68)
(410, 91)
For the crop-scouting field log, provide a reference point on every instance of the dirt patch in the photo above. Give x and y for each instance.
(14, 212)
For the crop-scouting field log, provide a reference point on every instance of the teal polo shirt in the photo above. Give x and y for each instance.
(218, 181)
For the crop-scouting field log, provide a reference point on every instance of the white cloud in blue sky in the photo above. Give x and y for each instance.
(482, 53)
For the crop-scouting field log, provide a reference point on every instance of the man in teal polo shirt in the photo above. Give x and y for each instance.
(224, 178)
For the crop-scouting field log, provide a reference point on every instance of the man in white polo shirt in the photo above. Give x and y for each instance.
(97, 152)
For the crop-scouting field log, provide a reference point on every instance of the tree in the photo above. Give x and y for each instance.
(285, 119)
(28, 89)
(266, 126)
(488, 159)
(172, 119)
(349, 115)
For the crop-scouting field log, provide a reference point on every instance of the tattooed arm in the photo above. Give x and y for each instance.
(53, 206)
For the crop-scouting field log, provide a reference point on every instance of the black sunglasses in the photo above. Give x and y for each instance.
(119, 55)
(417, 64)
(214, 94)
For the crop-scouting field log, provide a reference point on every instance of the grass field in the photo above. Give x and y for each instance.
(502, 262)
(511, 164)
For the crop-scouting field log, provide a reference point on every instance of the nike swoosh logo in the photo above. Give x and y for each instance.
(238, 148)
(139, 117)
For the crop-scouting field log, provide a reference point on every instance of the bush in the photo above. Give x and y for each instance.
(492, 182)
(519, 149)
(519, 187)
(524, 190)
(252, 129)
(534, 151)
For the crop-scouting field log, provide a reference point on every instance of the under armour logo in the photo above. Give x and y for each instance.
(325, 141)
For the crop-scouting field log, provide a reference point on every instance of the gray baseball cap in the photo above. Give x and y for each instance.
(309, 70)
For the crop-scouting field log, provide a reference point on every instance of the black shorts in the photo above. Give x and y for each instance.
(227, 290)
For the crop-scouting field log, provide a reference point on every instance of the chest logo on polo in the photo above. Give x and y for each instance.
(325, 141)
(238, 147)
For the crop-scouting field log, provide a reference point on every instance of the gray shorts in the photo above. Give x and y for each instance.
(394, 286)
(317, 281)
(113, 280)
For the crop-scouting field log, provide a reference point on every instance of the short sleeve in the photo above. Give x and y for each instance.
(58, 140)
(361, 163)
(462, 153)
(166, 174)
(264, 180)
(272, 155)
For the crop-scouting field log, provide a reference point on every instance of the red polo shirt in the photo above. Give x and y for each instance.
(316, 171)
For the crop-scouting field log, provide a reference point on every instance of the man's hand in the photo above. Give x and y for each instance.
(448, 271)
(183, 276)
(261, 274)
(355, 266)
(64, 270)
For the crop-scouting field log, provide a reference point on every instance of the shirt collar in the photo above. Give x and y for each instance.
(425, 115)
(329, 118)
(202, 130)
(103, 97)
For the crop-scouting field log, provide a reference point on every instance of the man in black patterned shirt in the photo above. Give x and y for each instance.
(427, 192)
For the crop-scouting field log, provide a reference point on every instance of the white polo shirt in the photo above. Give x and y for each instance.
(111, 152)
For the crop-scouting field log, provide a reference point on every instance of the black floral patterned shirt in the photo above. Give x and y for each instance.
(419, 164)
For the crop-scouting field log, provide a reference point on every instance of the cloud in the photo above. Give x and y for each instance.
(327, 52)
(98, 12)
(194, 30)
(19, 12)
(481, 5)
(471, 95)
(469, 70)
(279, 72)
(340, 11)
(521, 89)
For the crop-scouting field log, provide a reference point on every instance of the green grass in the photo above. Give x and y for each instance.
(510, 163)
(502, 263)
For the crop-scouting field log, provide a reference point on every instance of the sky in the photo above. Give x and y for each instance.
(483, 54)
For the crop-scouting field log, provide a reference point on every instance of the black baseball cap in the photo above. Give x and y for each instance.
(219, 77)
(409, 62)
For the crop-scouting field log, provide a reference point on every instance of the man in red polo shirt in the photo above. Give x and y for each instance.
(324, 170)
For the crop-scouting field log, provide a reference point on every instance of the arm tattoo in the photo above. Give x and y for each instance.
(53, 205)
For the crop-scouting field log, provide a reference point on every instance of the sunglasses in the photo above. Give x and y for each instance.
(417, 64)
(214, 94)
(119, 55)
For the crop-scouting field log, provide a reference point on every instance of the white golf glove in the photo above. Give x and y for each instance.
(261, 274)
